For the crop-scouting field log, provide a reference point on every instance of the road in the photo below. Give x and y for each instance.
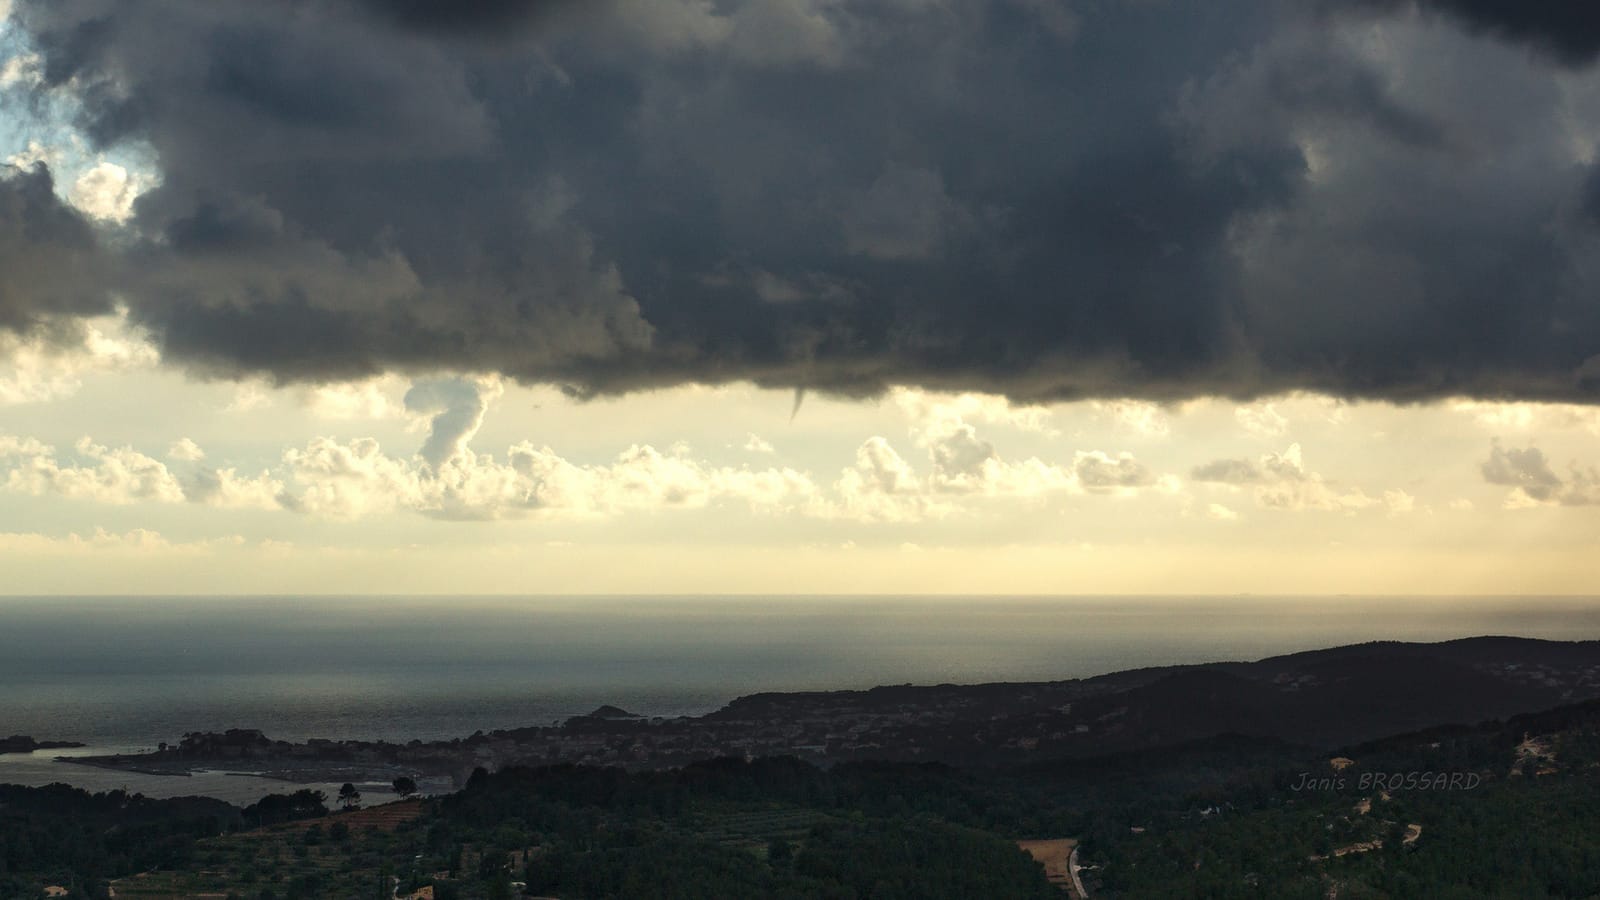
(1077, 881)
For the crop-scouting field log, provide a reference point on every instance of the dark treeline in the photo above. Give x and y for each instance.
(275, 809)
(69, 837)
(604, 832)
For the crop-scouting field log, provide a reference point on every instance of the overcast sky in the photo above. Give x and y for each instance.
(756, 296)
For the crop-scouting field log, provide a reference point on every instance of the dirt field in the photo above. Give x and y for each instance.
(387, 817)
(1056, 855)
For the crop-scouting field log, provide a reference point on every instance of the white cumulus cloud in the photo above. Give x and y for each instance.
(1282, 481)
(99, 474)
(1535, 483)
(35, 369)
(106, 191)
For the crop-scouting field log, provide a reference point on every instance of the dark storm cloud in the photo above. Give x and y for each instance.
(49, 259)
(1042, 199)
(479, 16)
(1570, 31)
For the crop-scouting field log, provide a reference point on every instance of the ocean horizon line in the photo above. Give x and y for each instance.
(708, 595)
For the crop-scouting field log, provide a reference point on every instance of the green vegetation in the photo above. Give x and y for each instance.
(771, 828)
(1223, 818)
(275, 809)
(60, 835)
(349, 797)
(1524, 831)
(725, 828)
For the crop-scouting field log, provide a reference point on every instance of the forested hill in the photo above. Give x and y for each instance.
(1321, 698)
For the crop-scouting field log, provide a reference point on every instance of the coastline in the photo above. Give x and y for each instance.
(1296, 697)
(104, 762)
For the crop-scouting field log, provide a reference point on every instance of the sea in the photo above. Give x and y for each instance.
(122, 674)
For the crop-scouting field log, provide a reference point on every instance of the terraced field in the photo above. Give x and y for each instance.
(745, 827)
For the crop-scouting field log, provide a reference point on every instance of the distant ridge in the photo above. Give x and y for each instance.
(1316, 699)
(1322, 698)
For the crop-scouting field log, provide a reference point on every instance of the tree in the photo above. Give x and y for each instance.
(275, 808)
(349, 797)
(779, 853)
(405, 786)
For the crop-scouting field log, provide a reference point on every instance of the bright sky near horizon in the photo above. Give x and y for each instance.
(120, 476)
(167, 441)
